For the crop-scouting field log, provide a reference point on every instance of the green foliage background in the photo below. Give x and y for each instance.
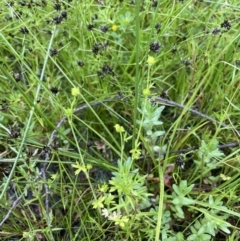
(101, 48)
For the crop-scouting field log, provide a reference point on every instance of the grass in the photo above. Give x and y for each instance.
(119, 120)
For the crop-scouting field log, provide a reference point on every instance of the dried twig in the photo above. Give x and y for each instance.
(195, 112)
(186, 150)
(175, 104)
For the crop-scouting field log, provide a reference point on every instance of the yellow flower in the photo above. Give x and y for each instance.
(89, 166)
(119, 128)
(114, 27)
(75, 91)
(151, 60)
(146, 92)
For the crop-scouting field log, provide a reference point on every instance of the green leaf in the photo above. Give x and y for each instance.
(176, 201)
(176, 189)
(187, 201)
(209, 151)
(179, 212)
(225, 229)
(183, 189)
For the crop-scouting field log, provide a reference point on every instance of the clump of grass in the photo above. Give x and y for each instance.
(119, 120)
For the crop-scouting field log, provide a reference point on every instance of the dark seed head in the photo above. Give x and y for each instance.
(80, 63)
(58, 19)
(186, 62)
(54, 90)
(64, 14)
(104, 28)
(216, 31)
(155, 47)
(180, 161)
(24, 30)
(107, 69)
(226, 24)
(90, 27)
(53, 52)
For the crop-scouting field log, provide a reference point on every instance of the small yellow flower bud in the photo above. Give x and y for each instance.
(146, 92)
(119, 128)
(114, 27)
(151, 60)
(75, 91)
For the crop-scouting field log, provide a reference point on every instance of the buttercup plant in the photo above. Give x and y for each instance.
(150, 120)
(207, 159)
(125, 194)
